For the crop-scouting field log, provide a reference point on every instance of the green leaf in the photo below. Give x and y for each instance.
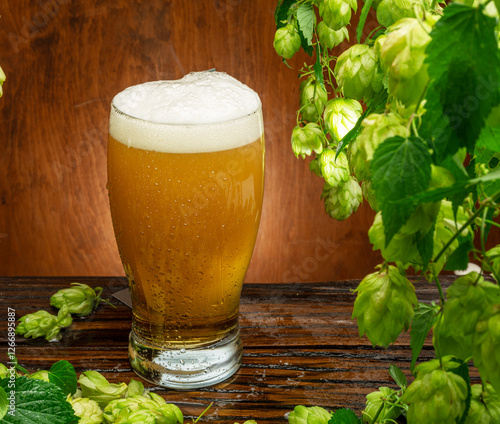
(282, 12)
(63, 375)
(400, 168)
(3, 403)
(463, 67)
(423, 320)
(344, 416)
(459, 259)
(463, 371)
(38, 402)
(425, 246)
(306, 19)
(489, 138)
(362, 19)
(398, 376)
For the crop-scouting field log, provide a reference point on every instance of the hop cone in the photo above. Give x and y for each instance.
(335, 171)
(44, 324)
(384, 306)
(340, 116)
(96, 387)
(375, 129)
(357, 72)
(312, 98)
(466, 300)
(287, 41)
(436, 396)
(486, 346)
(369, 194)
(484, 406)
(88, 410)
(374, 400)
(391, 11)
(343, 200)
(329, 38)
(80, 298)
(402, 55)
(309, 415)
(337, 13)
(492, 261)
(2, 79)
(307, 139)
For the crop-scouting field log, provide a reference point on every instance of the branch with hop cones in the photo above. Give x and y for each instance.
(408, 119)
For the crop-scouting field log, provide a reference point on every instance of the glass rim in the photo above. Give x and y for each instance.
(173, 124)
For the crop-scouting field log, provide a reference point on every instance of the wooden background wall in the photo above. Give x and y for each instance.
(66, 59)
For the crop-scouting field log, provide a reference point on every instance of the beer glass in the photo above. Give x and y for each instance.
(185, 184)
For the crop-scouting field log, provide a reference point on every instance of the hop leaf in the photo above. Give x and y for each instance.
(312, 98)
(337, 13)
(287, 41)
(88, 410)
(486, 346)
(343, 200)
(383, 397)
(357, 72)
(307, 139)
(484, 406)
(309, 415)
(340, 116)
(80, 298)
(375, 129)
(329, 38)
(437, 395)
(335, 170)
(402, 55)
(95, 386)
(466, 300)
(44, 324)
(384, 306)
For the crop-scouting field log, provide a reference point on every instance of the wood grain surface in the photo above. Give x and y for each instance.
(300, 347)
(65, 60)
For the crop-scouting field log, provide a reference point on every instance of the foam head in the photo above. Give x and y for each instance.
(202, 112)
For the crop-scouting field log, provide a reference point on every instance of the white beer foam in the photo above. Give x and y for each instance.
(202, 112)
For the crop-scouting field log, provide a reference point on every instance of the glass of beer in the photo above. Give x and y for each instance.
(185, 183)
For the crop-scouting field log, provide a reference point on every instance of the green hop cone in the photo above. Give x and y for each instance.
(287, 41)
(329, 38)
(357, 72)
(309, 415)
(343, 200)
(384, 306)
(466, 299)
(124, 406)
(44, 324)
(340, 116)
(312, 98)
(369, 194)
(437, 395)
(335, 170)
(88, 410)
(40, 375)
(4, 371)
(383, 397)
(375, 129)
(491, 262)
(2, 80)
(337, 13)
(402, 54)
(484, 406)
(486, 346)
(134, 387)
(391, 11)
(81, 299)
(95, 386)
(307, 139)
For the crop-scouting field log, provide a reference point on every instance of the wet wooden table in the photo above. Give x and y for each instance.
(300, 347)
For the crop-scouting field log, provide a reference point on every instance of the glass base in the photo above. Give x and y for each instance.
(190, 368)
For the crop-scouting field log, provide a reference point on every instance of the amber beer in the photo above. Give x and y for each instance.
(185, 181)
